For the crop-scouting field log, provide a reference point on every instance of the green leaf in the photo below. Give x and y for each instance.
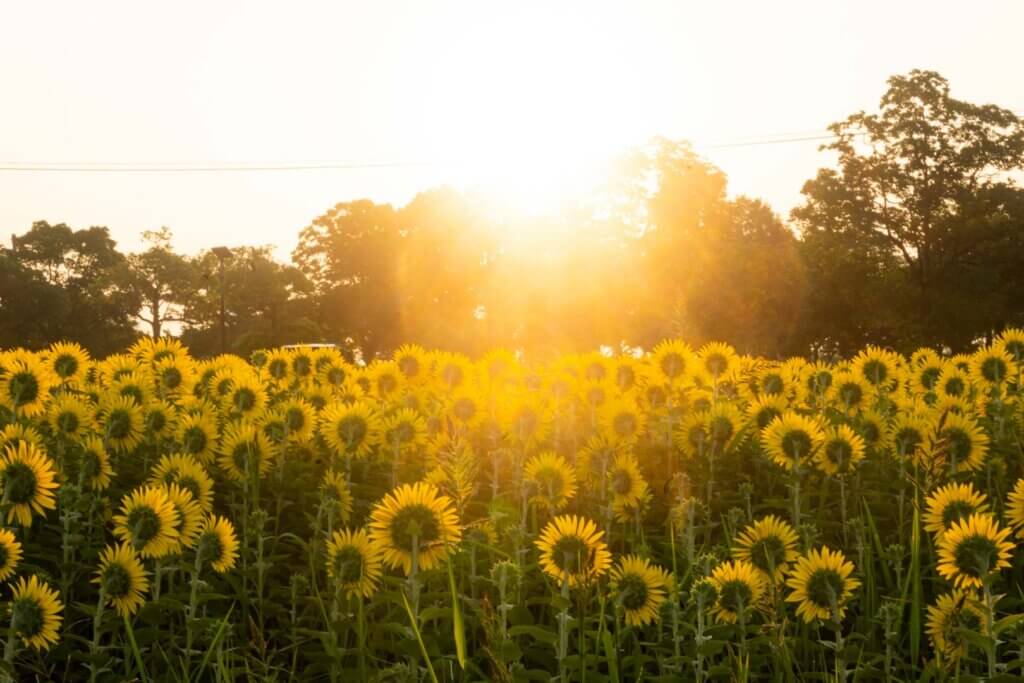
(612, 656)
(535, 632)
(457, 623)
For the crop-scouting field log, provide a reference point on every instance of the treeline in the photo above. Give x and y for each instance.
(915, 237)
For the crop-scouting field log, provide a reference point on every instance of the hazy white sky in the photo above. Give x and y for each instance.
(523, 95)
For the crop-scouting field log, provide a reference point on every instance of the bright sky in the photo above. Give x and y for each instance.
(524, 95)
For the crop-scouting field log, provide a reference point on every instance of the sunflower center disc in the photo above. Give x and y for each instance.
(348, 565)
(20, 482)
(975, 556)
(27, 617)
(569, 553)
(633, 591)
(735, 596)
(145, 524)
(414, 520)
(824, 588)
(116, 581)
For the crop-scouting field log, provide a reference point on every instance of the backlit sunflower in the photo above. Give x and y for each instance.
(354, 563)
(791, 439)
(769, 545)
(334, 372)
(385, 379)
(821, 584)
(671, 359)
(772, 380)
(908, 435)
(640, 588)
(121, 421)
(624, 372)
(990, 367)
(763, 409)
(414, 517)
(197, 434)
(10, 554)
(27, 478)
(244, 452)
(951, 503)
(817, 381)
(404, 429)
(873, 428)
(350, 429)
(189, 474)
(122, 579)
(301, 364)
(246, 396)
(159, 418)
(851, 393)
(625, 481)
(336, 489)
(597, 455)
(572, 549)
(174, 376)
(277, 366)
(1015, 508)
(134, 385)
(739, 586)
(552, 480)
(876, 366)
(952, 612)
(35, 613)
(95, 463)
(69, 415)
(525, 418)
(217, 545)
(973, 549)
(452, 369)
(692, 437)
(717, 359)
(960, 442)
(953, 382)
(466, 407)
(299, 419)
(148, 521)
(724, 424)
(840, 451)
(25, 384)
(15, 433)
(67, 361)
(190, 514)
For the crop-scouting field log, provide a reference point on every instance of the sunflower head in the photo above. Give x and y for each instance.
(640, 588)
(791, 439)
(354, 562)
(552, 480)
(821, 584)
(625, 481)
(217, 545)
(951, 613)
(415, 519)
(10, 554)
(840, 451)
(122, 579)
(35, 613)
(573, 550)
(971, 550)
(952, 503)
(28, 480)
(738, 589)
(351, 429)
(769, 545)
(148, 521)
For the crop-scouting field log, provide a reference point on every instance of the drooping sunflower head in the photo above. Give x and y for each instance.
(640, 588)
(336, 490)
(415, 519)
(28, 479)
(572, 549)
(217, 545)
(840, 451)
(552, 480)
(739, 586)
(354, 562)
(10, 554)
(351, 429)
(973, 549)
(122, 579)
(951, 613)
(791, 439)
(94, 462)
(821, 584)
(149, 521)
(952, 503)
(35, 613)
(769, 545)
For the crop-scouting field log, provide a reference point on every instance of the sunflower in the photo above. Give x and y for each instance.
(850, 391)
(300, 364)
(217, 545)
(840, 451)
(69, 415)
(67, 361)
(159, 418)
(334, 372)
(27, 477)
(174, 376)
(817, 382)
(769, 544)
(724, 422)
(525, 418)
(692, 436)
(25, 385)
(739, 586)
(15, 433)
(953, 382)
(717, 359)
(10, 554)
(404, 429)
(453, 369)
(245, 452)
(35, 613)
(990, 367)
(246, 396)
(122, 421)
(597, 455)
(133, 385)
(821, 585)
(336, 489)
(572, 550)
(908, 435)
(878, 367)
(971, 549)
(772, 380)
(189, 474)
(148, 521)
(1015, 508)
(791, 438)
(152, 351)
(354, 562)
(763, 409)
(190, 514)
(197, 434)
(350, 429)
(640, 588)
(95, 463)
(414, 518)
(466, 406)
(671, 359)
(952, 503)
(960, 442)
(122, 579)
(385, 379)
(626, 483)
(873, 428)
(951, 613)
(299, 419)
(277, 365)
(924, 378)
(552, 480)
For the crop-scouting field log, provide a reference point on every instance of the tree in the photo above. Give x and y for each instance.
(920, 201)
(159, 280)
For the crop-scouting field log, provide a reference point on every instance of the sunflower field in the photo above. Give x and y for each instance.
(679, 515)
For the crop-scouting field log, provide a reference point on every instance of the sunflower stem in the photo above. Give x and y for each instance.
(990, 609)
(193, 601)
(563, 632)
(11, 649)
(97, 622)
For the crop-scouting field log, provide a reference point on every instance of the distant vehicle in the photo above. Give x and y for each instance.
(309, 346)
